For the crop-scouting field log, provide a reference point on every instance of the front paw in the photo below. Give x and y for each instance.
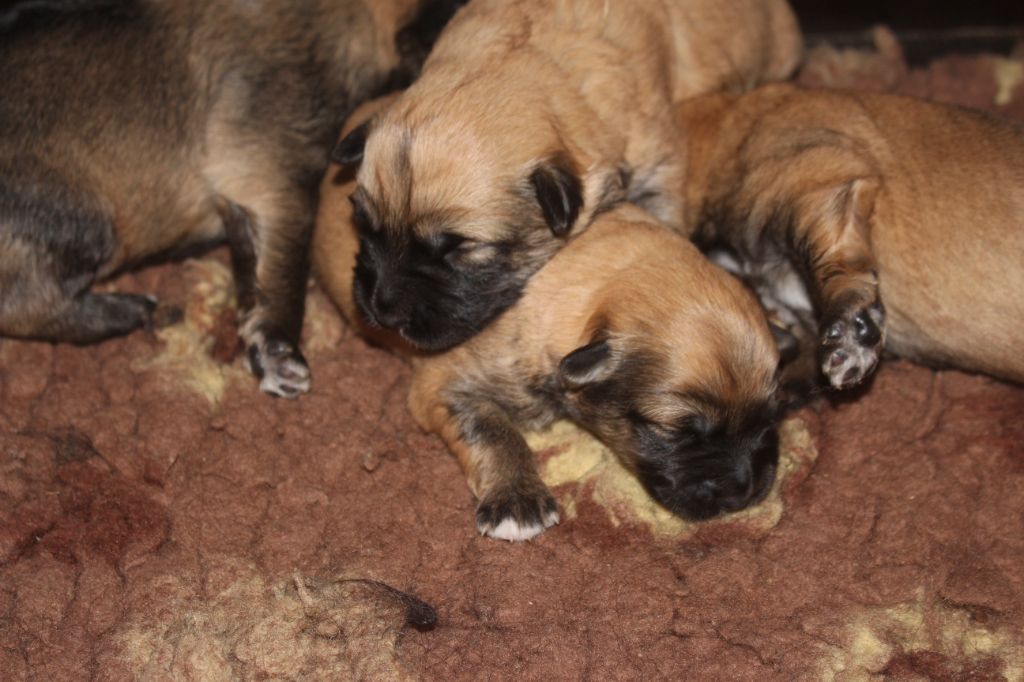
(280, 367)
(851, 343)
(517, 513)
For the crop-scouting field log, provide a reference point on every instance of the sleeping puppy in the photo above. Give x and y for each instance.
(628, 331)
(136, 127)
(532, 118)
(898, 222)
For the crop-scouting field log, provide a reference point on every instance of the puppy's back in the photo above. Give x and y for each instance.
(742, 43)
(946, 227)
(949, 235)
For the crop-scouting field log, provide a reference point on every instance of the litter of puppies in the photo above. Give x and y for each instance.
(518, 221)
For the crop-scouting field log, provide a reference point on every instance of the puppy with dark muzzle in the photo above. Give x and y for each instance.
(628, 331)
(136, 127)
(896, 223)
(532, 118)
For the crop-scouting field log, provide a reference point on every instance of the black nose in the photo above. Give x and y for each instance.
(715, 477)
(387, 307)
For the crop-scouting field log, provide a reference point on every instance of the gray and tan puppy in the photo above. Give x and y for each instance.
(898, 223)
(135, 127)
(531, 118)
(630, 332)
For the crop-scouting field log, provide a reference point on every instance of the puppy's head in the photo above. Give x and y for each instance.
(676, 372)
(453, 218)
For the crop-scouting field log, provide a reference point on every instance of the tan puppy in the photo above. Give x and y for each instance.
(134, 128)
(630, 332)
(531, 118)
(904, 218)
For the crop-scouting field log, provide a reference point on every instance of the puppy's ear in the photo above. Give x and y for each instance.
(414, 40)
(587, 364)
(559, 193)
(349, 150)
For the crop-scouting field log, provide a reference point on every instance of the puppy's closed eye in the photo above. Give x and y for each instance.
(470, 252)
(690, 430)
(644, 425)
(447, 242)
(360, 217)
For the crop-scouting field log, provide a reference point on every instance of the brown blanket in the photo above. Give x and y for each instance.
(160, 518)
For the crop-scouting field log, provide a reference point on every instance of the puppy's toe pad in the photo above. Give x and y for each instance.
(851, 346)
(285, 376)
(845, 369)
(286, 380)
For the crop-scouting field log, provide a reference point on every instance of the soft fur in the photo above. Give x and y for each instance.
(630, 332)
(135, 127)
(904, 218)
(531, 118)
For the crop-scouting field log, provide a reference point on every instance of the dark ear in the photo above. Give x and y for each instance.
(559, 193)
(415, 39)
(349, 150)
(587, 364)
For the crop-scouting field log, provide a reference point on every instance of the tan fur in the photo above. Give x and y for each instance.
(916, 204)
(135, 129)
(510, 83)
(706, 346)
(335, 243)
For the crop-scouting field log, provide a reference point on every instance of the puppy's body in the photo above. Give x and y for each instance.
(135, 127)
(629, 332)
(530, 119)
(904, 217)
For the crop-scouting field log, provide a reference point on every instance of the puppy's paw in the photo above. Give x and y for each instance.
(517, 514)
(280, 367)
(851, 343)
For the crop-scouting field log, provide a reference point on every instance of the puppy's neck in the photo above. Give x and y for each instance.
(709, 144)
(716, 128)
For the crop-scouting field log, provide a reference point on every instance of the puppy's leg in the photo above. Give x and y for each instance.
(500, 467)
(271, 285)
(91, 317)
(830, 235)
(514, 502)
(44, 290)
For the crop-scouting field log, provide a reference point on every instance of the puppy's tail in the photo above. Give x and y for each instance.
(14, 11)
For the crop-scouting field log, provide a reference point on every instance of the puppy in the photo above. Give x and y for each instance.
(630, 332)
(135, 127)
(532, 118)
(898, 222)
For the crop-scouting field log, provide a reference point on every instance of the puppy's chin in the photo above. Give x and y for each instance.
(713, 478)
(432, 317)
(432, 334)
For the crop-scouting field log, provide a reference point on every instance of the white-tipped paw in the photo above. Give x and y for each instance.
(517, 515)
(851, 344)
(282, 370)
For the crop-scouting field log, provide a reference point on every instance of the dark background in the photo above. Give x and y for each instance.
(926, 28)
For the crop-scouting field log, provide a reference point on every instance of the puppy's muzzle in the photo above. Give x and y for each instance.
(380, 303)
(727, 477)
(385, 308)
